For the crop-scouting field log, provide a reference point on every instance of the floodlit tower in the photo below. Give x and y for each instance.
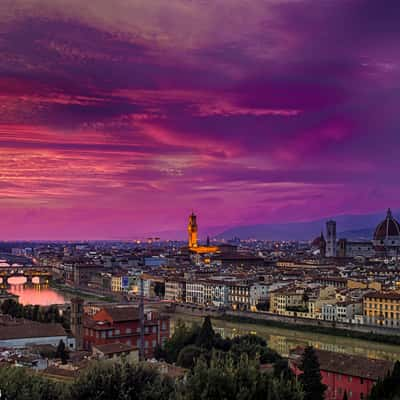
(331, 238)
(192, 230)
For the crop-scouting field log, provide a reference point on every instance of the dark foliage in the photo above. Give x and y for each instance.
(311, 378)
(389, 387)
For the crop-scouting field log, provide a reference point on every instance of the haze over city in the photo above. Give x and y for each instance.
(118, 118)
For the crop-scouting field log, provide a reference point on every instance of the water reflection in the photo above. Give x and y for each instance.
(283, 340)
(34, 293)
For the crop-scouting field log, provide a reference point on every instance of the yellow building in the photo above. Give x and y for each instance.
(284, 300)
(116, 283)
(382, 308)
(353, 284)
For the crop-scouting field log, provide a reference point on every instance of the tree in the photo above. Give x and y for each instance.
(282, 370)
(255, 347)
(121, 381)
(206, 336)
(311, 378)
(62, 352)
(224, 378)
(19, 384)
(389, 387)
(182, 336)
(189, 355)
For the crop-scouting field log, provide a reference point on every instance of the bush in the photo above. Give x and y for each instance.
(189, 355)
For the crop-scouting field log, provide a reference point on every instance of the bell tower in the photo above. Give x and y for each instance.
(77, 321)
(192, 230)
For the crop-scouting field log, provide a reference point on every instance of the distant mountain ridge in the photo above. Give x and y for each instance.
(348, 226)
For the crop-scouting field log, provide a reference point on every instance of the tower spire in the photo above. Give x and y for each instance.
(192, 230)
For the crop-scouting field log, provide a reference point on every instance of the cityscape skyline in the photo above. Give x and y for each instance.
(117, 120)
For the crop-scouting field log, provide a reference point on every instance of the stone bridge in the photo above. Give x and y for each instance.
(36, 275)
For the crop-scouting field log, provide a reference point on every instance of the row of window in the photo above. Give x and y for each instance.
(385, 314)
(375, 306)
(117, 332)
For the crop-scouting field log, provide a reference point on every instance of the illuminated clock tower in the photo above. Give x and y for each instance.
(192, 230)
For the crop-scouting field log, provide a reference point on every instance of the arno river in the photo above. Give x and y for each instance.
(34, 294)
(282, 340)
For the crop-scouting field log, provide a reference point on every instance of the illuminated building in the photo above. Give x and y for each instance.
(192, 230)
(192, 242)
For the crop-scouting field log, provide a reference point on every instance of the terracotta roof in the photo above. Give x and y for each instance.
(347, 364)
(114, 348)
(121, 314)
(56, 372)
(389, 227)
(384, 295)
(31, 330)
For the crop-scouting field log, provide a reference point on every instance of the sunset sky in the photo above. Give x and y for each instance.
(117, 118)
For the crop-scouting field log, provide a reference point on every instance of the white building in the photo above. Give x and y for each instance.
(258, 294)
(34, 333)
(195, 292)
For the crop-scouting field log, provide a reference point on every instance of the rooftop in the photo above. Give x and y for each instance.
(347, 364)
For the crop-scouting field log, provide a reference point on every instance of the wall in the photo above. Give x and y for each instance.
(24, 342)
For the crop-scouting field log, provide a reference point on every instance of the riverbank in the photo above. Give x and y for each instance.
(283, 339)
(86, 295)
(364, 332)
(369, 336)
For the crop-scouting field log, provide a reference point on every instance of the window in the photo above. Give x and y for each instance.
(361, 381)
(154, 329)
(350, 378)
(128, 331)
(117, 332)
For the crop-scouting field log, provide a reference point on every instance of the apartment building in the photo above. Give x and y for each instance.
(382, 308)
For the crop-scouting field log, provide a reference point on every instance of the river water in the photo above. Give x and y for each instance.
(283, 340)
(41, 295)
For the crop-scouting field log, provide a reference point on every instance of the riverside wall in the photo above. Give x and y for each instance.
(200, 311)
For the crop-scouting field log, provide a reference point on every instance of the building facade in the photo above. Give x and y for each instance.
(382, 308)
(344, 373)
(121, 324)
(331, 238)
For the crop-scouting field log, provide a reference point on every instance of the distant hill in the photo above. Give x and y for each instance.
(348, 226)
(358, 234)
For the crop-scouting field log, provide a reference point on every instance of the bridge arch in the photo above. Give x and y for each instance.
(16, 280)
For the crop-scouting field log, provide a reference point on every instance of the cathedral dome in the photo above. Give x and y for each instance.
(318, 241)
(388, 228)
